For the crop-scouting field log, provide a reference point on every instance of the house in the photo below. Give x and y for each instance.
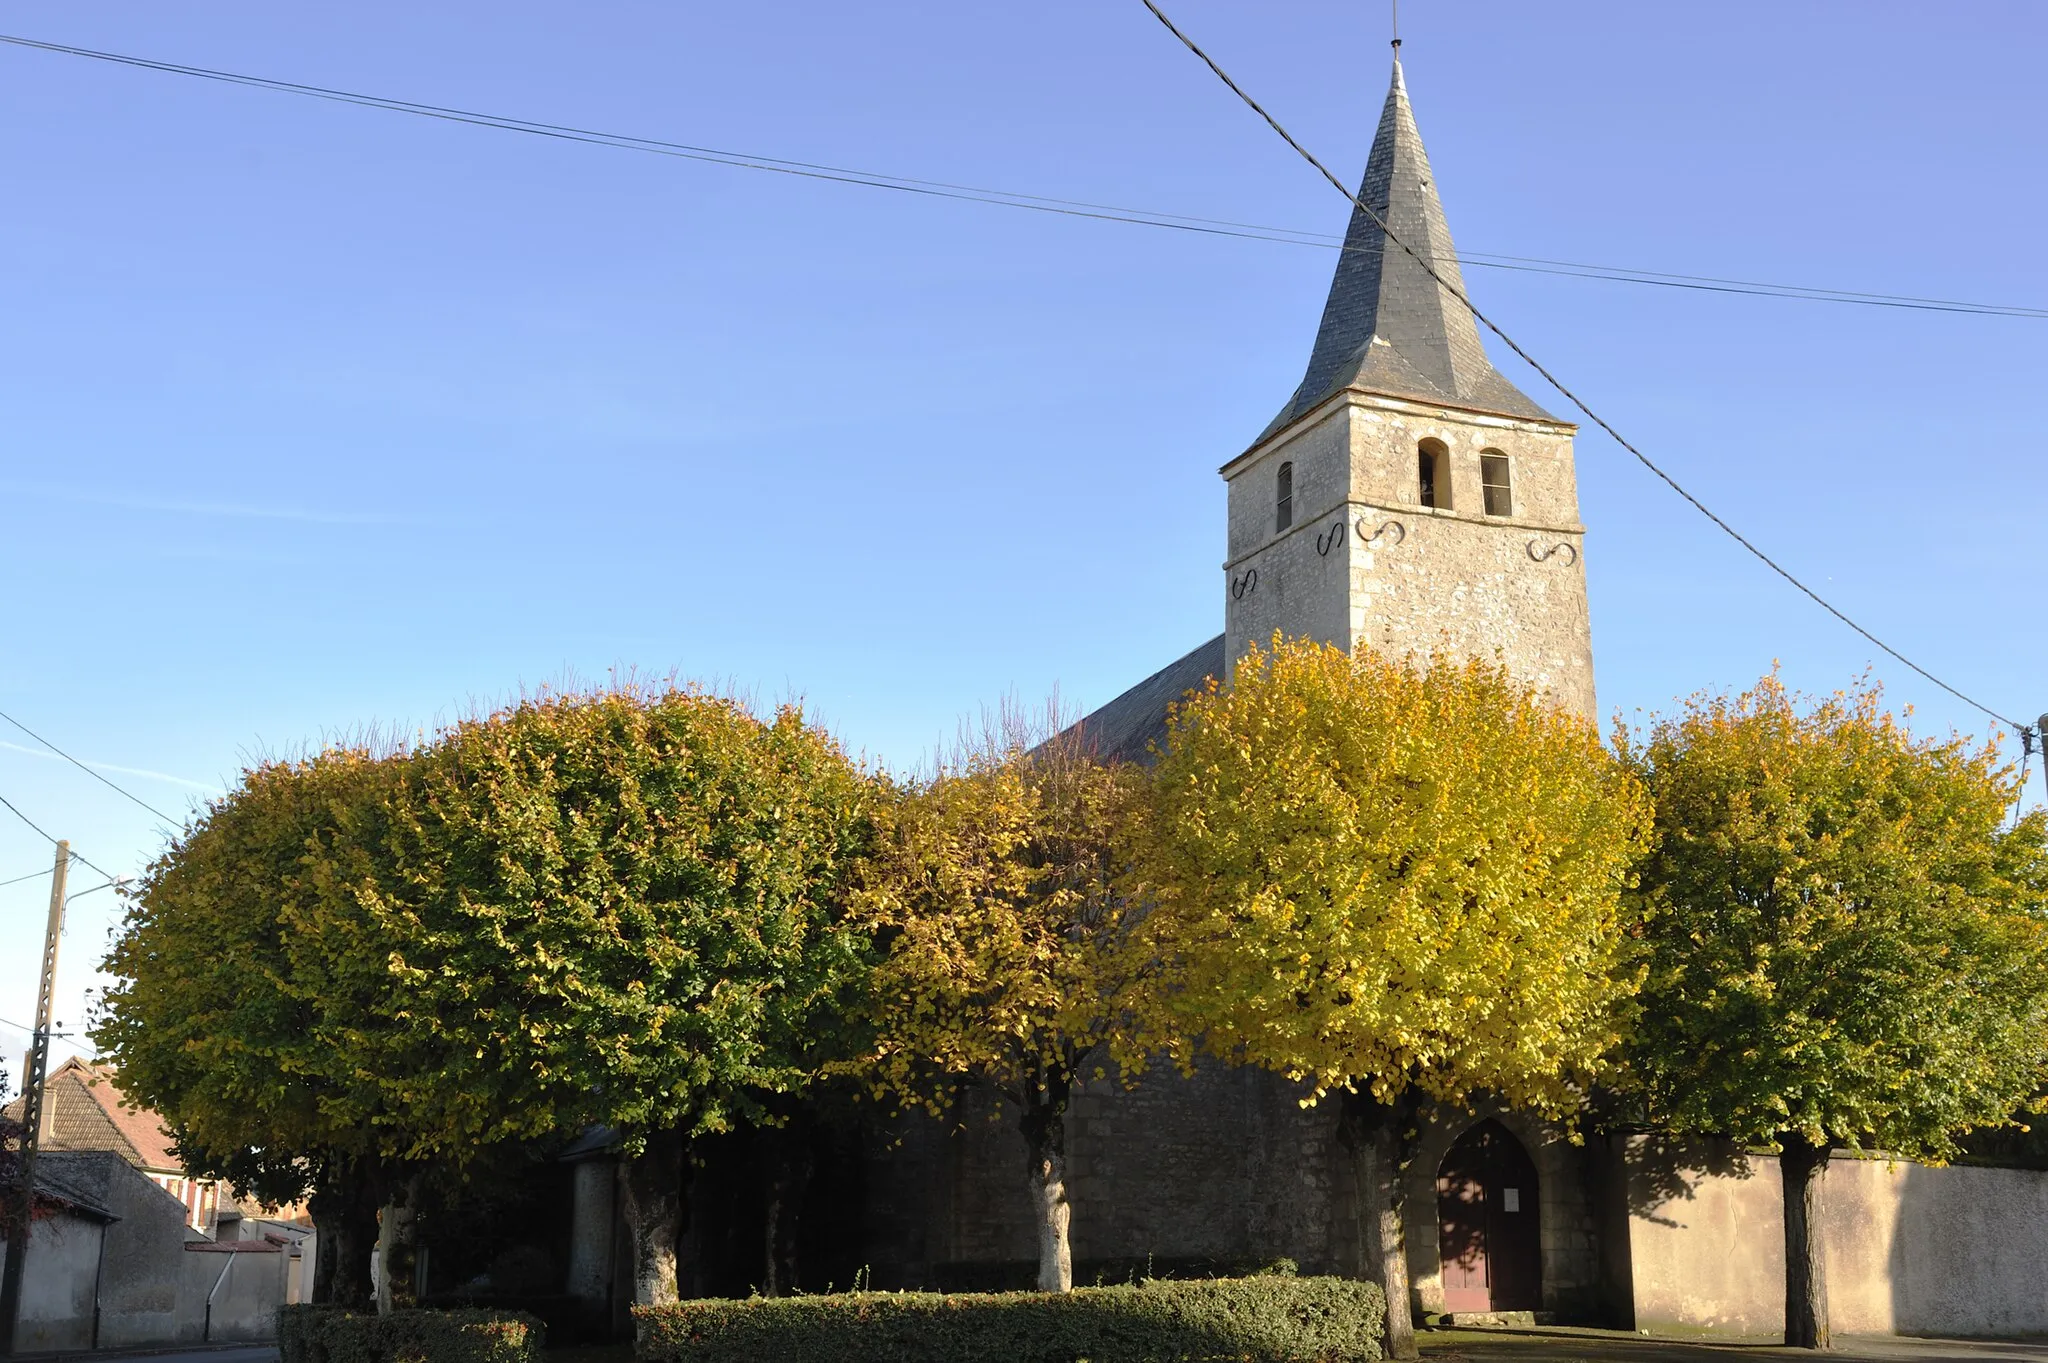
(84, 1109)
(116, 1264)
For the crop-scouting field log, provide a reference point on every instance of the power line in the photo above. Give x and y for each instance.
(1075, 208)
(95, 775)
(32, 875)
(1459, 294)
(31, 823)
(1756, 288)
(1037, 203)
(15, 810)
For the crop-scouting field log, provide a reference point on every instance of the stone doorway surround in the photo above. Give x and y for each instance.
(1488, 1214)
(1571, 1268)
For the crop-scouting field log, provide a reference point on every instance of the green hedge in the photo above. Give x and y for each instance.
(326, 1334)
(1246, 1320)
(1021, 1275)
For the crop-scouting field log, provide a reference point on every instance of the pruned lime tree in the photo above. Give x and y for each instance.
(618, 908)
(214, 1022)
(1393, 882)
(1848, 946)
(992, 891)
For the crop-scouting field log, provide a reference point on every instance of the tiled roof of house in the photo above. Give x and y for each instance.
(84, 1109)
(1388, 327)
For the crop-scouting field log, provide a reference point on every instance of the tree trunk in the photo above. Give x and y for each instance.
(1803, 1166)
(324, 1206)
(1043, 1120)
(345, 1214)
(387, 1245)
(652, 1184)
(397, 1220)
(1379, 1136)
(408, 1282)
(786, 1150)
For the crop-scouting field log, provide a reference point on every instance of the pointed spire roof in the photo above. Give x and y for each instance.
(1388, 327)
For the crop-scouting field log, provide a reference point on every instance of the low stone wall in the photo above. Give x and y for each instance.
(1910, 1249)
(127, 1256)
(57, 1286)
(231, 1292)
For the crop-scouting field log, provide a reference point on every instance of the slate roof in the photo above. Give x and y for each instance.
(1124, 729)
(1388, 327)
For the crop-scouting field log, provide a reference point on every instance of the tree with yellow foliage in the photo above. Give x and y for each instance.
(1848, 946)
(1391, 881)
(993, 893)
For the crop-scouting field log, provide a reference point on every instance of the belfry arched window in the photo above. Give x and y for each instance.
(1433, 474)
(1283, 499)
(1496, 480)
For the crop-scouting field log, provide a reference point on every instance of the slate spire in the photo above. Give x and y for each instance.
(1388, 327)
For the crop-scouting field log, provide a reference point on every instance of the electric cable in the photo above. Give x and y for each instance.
(88, 770)
(32, 875)
(1459, 294)
(1076, 208)
(76, 856)
(1039, 203)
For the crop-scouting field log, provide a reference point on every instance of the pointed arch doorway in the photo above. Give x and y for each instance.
(1487, 1227)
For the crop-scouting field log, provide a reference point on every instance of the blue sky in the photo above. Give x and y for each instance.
(314, 418)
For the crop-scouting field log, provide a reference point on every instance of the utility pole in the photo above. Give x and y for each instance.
(23, 1208)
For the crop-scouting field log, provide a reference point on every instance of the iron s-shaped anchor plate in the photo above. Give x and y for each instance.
(1565, 546)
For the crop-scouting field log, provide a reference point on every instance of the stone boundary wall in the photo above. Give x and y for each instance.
(1911, 1249)
(148, 1282)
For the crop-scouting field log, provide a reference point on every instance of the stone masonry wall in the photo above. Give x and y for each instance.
(1365, 563)
(1226, 1166)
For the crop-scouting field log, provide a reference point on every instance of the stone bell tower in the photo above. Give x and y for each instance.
(1408, 497)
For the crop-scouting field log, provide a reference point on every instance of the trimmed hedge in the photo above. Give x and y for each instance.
(1021, 1275)
(1246, 1320)
(327, 1334)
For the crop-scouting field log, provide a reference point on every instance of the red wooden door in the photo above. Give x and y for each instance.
(1487, 1228)
(1461, 1235)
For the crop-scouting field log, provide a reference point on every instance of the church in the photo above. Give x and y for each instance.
(1406, 497)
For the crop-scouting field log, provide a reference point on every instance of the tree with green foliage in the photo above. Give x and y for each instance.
(992, 887)
(215, 1024)
(1848, 947)
(1395, 882)
(618, 908)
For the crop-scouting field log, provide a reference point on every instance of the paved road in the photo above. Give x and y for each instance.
(1607, 1346)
